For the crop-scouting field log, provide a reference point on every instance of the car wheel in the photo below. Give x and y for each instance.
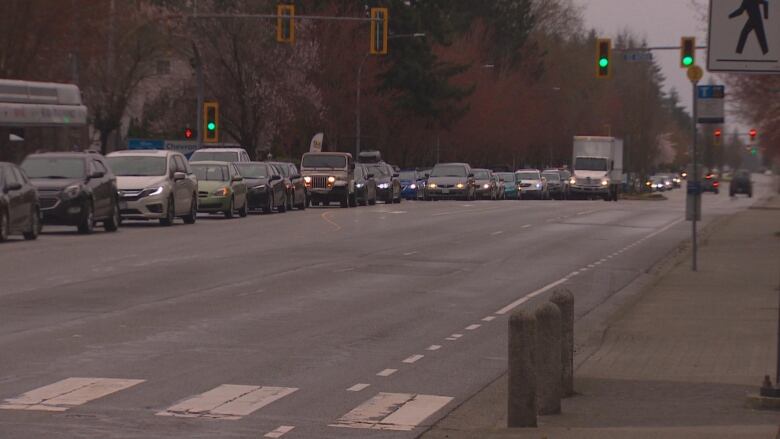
(170, 213)
(290, 202)
(4, 226)
(353, 200)
(87, 224)
(282, 208)
(229, 213)
(303, 204)
(269, 204)
(244, 211)
(35, 225)
(193, 215)
(345, 201)
(112, 224)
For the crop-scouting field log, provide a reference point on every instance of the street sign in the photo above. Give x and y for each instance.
(710, 102)
(695, 74)
(744, 36)
(638, 56)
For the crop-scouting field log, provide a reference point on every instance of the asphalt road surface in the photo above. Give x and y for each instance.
(329, 323)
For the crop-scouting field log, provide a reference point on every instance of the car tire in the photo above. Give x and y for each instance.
(244, 210)
(353, 200)
(4, 226)
(112, 224)
(230, 212)
(303, 204)
(282, 208)
(269, 204)
(35, 225)
(345, 201)
(291, 201)
(193, 215)
(170, 213)
(87, 224)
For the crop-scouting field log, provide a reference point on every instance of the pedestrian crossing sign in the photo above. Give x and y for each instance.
(744, 36)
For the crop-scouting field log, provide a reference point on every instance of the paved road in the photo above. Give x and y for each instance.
(359, 323)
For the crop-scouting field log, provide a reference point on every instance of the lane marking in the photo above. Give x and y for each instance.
(345, 270)
(527, 226)
(280, 431)
(67, 393)
(500, 232)
(433, 347)
(585, 212)
(227, 401)
(413, 359)
(450, 338)
(472, 327)
(456, 336)
(325, 217)
(489, 319)
(410, 253)
(387, 372)
(393, 411)
(358, 387)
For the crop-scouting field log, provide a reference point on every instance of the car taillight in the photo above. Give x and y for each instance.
(709, 177)
(716, 184)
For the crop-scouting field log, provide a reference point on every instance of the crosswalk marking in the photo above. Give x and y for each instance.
(280, 431)
(228, 401)
(393, 411)
(67, 393)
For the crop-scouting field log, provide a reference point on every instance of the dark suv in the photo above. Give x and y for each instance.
(741, 184)
(75, 189)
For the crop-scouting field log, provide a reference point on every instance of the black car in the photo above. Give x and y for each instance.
(296, 188)
(741, 184)
(388, 185)
(365, 186)
(710, 183)
(556, 184)
(20, 212)
(266, 188)
(75, 189)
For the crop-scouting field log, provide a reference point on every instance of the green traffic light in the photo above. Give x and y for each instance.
(754, 151)
(687, 61)
(603, 62)
(211, 126)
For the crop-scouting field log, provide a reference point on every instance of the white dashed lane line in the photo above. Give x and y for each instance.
(387, 372)
(413, 359)
(433, 347)
(472, 327)
(489, 319)
(358, 387)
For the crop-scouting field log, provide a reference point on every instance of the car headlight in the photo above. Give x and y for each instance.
(412, 186)
(307, 179)
(460, 185)
(152, 191)
(485, 186)
(572, 180)
(72, 191)
(331, 180)
(359, 185)
(605, 182)
(538, 185)
(222, 192)
(432, 186)
(384, 186)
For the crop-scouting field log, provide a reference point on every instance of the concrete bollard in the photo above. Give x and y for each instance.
(564, 300)
(522, 408)
(549, 388)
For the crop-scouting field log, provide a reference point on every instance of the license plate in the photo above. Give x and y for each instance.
(123, 205)
(445, 191)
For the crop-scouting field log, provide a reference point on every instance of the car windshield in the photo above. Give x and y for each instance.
(449, 171)
(214, 156)
(51, 167)
(324, 161)
(138, 166)
(481, 175)
(552, 176)
(507, 176)
(378, 171)
(253, 170)
(409, 176)
(590, 164)
(527, 176)
(211, 172)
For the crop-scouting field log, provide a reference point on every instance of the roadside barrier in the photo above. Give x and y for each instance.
(564, 300)
(548, 359)
(522, 407)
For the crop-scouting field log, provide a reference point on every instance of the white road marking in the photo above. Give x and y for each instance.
(387, 372)
(358, 387)
(228, 401)
(473, 327)
(344, 270)
(433, 347)
(280, 431)
(410, 253)
(522, 300)
(592, 266)
(451, 338)
(526, 226)
(500, 232)
(489, 319)
(393, 411)
(413, 359)
(456, 336)
(574, 273)
(67, 393)
(585, 212)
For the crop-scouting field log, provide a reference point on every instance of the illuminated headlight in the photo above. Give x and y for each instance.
(412, 186)
(384, 185)
(151, 192)
(648, 183)
(432, 186)
(460, 185)
(307, 179)
(71, 191)
(331, 180)
(538, 185)
(485, 186)
(572, 180)
(359, 185)
(222, 192)
(605, 182)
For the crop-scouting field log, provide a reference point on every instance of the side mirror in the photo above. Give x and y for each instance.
(275, 178)
(178, 176)
(97, 174)
(13, 187)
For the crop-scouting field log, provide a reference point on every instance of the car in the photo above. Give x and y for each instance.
(741, 183)
(75, 189)
(412, 184)
(556, 185)
(510, 185)
(710, 183)
(20, 210)
(499, 182)
(329, 177)
(155, 185)
(221, 189)
(365, 186)
(388, 185)
(486, 186)
(531, 184)
(656, 183)
(266, 188)
(451, 181)
(220, 155)
(297, 196)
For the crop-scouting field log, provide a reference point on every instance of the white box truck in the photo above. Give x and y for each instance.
(597, 168)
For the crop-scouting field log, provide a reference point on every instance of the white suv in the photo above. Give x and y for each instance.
(230, 155)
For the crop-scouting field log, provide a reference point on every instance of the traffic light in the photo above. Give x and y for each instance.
(753, 133)
(604, 58)
(687, 52)
(188, 133)
(285, 24)
(718, 135)
(211, 122)
(380, 29)
(754, 151)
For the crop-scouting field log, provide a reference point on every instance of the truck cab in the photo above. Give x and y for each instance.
(597, 168)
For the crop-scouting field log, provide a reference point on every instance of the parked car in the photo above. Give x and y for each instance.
(451, 181)
(365, 186)
(531, 184)
(388, 185)
(20, 211)
(221, 189)
(155, 185)
(741, 183)
(556, 185)
(220, 155)
(266, 189)
(412, 184)
(710, 183)
(329, 177)
(656, 183)
(510, 185)
(297, 195)
(485, 185)
(75, 189)
(499, 182)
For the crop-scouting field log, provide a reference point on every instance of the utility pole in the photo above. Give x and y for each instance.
(200, 84)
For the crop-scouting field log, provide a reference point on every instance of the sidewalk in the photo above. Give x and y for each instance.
(678, 361)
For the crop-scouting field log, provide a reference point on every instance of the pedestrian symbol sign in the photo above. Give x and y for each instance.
(744, 36)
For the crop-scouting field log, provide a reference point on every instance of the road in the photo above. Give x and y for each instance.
(315, 324)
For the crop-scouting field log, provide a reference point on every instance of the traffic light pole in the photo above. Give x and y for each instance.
(696, 179)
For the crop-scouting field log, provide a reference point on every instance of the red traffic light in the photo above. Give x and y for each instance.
(718, 133)
(753, 133)
(188, 133)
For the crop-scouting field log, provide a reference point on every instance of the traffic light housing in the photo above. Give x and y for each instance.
(380, 29)
(687, 52)
(211, 122)
(188, 133)
(604, 58)
(285, 24)
(718, 136)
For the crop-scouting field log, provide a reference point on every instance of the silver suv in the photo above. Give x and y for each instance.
(155, 185)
